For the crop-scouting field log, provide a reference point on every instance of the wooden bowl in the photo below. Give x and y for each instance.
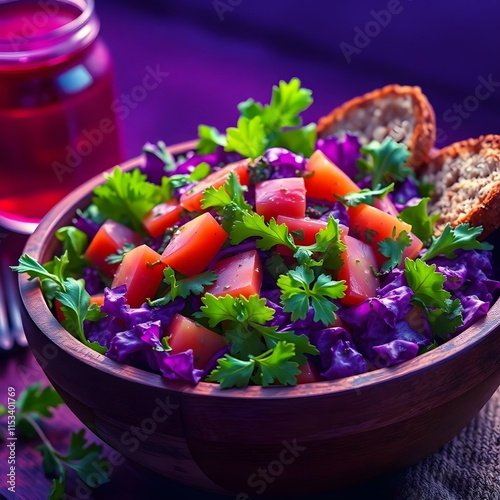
(280, 440)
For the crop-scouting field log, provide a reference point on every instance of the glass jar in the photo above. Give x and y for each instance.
(57, 124)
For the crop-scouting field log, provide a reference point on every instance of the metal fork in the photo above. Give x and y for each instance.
(11, 327)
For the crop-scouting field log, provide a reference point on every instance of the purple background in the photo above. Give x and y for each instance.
(216, 58)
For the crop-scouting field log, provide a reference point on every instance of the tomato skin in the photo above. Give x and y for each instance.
(327, 179)
(191, 200)
(142, 271)
(161, 217)
(359, 259)
(285, 196)
(308, 226)
(186, 334)
(111, 237)
(237, 275)
(372, 226)
(308, 374)
(194, 245)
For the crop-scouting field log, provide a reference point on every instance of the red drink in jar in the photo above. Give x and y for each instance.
(57, 124)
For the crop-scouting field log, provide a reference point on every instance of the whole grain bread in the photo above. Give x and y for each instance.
(466, 180)
(400, 111)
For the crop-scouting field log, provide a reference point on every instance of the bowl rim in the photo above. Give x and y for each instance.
(37, 308)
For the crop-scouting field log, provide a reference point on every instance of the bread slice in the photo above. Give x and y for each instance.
(466, 179)
(400, 111)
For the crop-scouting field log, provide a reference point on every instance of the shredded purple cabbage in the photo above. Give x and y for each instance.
(343, 152)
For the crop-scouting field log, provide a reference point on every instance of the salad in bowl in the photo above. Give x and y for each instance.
(267, 255)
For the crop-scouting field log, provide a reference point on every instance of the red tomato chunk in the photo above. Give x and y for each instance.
(194, 245)
(111, 237)
(237, 275)
(161, 217)
(142, 271)
(326, 179)
(372, 225)
(281, 197)
(186, 334)
(357, 271)
(191, 200)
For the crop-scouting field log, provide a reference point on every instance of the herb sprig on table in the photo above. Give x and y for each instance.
(34, 407)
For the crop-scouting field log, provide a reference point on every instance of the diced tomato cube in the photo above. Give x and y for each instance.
(194, 245)
(358, 271)
(142, 271)
(161, 217)
(237, 275)
(326, 180)
(111, 237)
(281, 197)
(303, 230)
(372, 226)
(186, 334)
(191, 199)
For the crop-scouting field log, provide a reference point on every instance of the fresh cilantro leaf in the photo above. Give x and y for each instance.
(297, 294)
(443, 314)
(228, 201)
(210, 138)
(127, 197)
(34, 269)
(300, 140)
(275, 265)
(393, 249)
(161, 151)
(183, 286)
(277, 366)
(75, 243)
(250, 108)
(75, 305)
(269, 234)
(172, 182)
(232, 372)
(366, 196)
(248, 138)
(461, 237)
(388, 162)
(38, 401)
(422, 224)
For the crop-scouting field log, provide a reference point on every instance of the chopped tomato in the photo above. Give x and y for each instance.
(191, 199)
(97, 298)
(281, 197)
(308, 373)
(111, 237)
(326, 179)
(161, 217)
(303, 230)
(386, 205)
(142, 271)
(357, 271)
(186, 334)
(194, 245)
(238, 275)
(372, 226)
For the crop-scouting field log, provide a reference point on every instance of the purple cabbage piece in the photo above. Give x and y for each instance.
(343, 152)
(405, 193)
(394, 352)
(93, 281)
(88, 226)
(285, 163)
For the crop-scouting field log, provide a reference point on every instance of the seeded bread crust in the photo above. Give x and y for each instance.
(466, 179)
(415, 125)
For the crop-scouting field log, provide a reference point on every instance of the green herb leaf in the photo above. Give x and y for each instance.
(393, 249)
(248, 138)
(297, 294)
(210, 138)
(127, 197)
(161, 151)
(388, 162)
(300, 140)
(422, 224)
(232, 372)
(277, 366)
(75, 243)
(75, 305)
(366, 196)
(461, 237)
(38, 401)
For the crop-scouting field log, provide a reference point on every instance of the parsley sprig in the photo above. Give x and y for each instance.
(264, 126)
(70, 292)
(259, 352)
(34, 405)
